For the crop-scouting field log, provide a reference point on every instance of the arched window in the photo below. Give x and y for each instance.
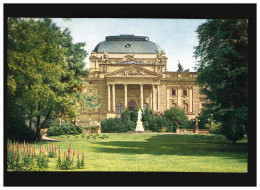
(145, 106)
(119, 107)
(131, 105)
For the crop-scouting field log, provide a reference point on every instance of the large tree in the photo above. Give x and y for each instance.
(177, 116)
(45, 72)
(223, 71)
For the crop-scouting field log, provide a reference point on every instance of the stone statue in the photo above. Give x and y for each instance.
(139, 115)
(105, 55)
(139, 124)
(159, 56)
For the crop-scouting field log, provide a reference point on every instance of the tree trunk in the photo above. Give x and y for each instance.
(39, 125)
(30, 123)
(37, 134)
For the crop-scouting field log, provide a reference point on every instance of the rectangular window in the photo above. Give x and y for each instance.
(173, 92)
(184, 92)
(119, 108)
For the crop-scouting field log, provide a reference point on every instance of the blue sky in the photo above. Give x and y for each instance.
(176, 36)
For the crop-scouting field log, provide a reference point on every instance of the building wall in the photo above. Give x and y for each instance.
(97, 85)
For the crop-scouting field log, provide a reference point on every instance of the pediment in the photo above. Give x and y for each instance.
(133, 71)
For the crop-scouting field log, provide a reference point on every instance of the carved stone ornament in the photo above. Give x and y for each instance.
(133, 71)
(103, 69)
(159, 69)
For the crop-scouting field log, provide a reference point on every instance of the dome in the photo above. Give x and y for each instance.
(127, 44)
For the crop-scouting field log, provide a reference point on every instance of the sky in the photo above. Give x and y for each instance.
(177, 37)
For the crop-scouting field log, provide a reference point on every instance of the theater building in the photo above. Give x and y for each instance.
(129, 71)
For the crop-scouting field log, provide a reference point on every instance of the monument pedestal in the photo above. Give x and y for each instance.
(177, 131)
(196, 131)
(139, 127)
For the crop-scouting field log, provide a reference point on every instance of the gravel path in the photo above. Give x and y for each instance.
(50, 139)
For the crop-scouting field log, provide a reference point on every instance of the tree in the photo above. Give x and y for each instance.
(45, 72)
(180, 68)
(223, 69)
(177, 116)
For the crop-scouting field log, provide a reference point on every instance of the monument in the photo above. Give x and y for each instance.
(139, 124)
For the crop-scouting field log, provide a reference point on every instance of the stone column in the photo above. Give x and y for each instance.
(158, 98)
(113, 98)
(108, 98)
(142, 96)
(190, 99)
(154, 105)
(151, 99)
(125, 98)
(179, 97)
(167, 98)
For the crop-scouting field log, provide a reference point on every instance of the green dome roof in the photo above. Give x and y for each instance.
(127, 44)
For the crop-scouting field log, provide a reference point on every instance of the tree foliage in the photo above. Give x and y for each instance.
(177, 116)
(223, 68)
(180, 67)
(45, 72)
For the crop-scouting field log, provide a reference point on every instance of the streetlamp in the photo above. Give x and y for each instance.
(197, 125)
(211, 123)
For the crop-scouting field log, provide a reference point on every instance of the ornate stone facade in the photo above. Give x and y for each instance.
(128, 71)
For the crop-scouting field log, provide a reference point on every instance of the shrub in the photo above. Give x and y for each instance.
(233, 130)
(216, 128)
(113, 125)
(20, 132)
(157, 123)
(65, 129)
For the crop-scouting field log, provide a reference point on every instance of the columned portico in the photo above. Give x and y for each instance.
(154, 99)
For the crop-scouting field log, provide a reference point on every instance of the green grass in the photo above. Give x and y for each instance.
(157, 152)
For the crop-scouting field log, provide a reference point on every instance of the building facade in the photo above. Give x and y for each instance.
(129, 71)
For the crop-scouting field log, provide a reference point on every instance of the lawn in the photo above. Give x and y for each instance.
(156, 152)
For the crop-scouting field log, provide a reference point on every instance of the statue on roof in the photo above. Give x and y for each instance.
(159, 55)
(105, 55)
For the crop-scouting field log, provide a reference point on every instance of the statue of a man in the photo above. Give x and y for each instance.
(139, 115)
(105, 55)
